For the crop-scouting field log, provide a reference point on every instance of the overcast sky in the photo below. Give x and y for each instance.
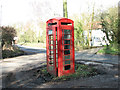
(13, 11)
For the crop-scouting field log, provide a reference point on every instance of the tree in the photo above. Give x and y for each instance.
(8, 34)
(65, 14)
(118, 22)
(110, 24)
(78, 33)
(28, 36)
(92, 20)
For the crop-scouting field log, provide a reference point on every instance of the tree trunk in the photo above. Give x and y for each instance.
(92, 23)
(65, 14)
(88, 38)
(107, 36)
(118, 22)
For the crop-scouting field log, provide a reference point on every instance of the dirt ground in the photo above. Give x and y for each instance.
(27, 79)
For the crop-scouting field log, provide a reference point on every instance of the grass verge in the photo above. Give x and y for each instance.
(12, 53)
(80, 71)
(113, 50)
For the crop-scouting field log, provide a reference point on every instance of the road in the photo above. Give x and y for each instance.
(32, 50)
(90, 55)
(13, 68)
(37, 57)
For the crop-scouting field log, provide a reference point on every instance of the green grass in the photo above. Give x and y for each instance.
(114, 50)
(11, 53)
(80, 71)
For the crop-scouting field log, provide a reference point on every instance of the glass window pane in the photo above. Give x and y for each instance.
(50, 42)
(66, 31)
(50, 32)
(56, 47)
(50, 67)
(51, 58)
(68, 67)
(51, 62)
(56, 32)
(56, 51)
(67, 62)
(66, 36)
(50, 52)
(66, 52)
(67, 57)
(66, 41)
(50, 47)
(56, 64)
(56, 41)
(50, 37)
(56, 59)
(66, 46)
(56, 56)
(56, 37)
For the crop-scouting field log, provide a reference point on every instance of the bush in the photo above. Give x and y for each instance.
(8, 34)
(112, 49)
(12, 53)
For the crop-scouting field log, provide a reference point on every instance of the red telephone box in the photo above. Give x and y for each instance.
(60, 46)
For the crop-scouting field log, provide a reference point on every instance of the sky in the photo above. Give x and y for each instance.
(14, 11)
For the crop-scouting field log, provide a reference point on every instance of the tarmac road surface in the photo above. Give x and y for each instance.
(37, 58)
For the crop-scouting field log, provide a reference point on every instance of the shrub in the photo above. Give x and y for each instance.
(8, 34)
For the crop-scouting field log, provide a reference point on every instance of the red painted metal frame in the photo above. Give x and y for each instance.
(58, 71)
(54, 50)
